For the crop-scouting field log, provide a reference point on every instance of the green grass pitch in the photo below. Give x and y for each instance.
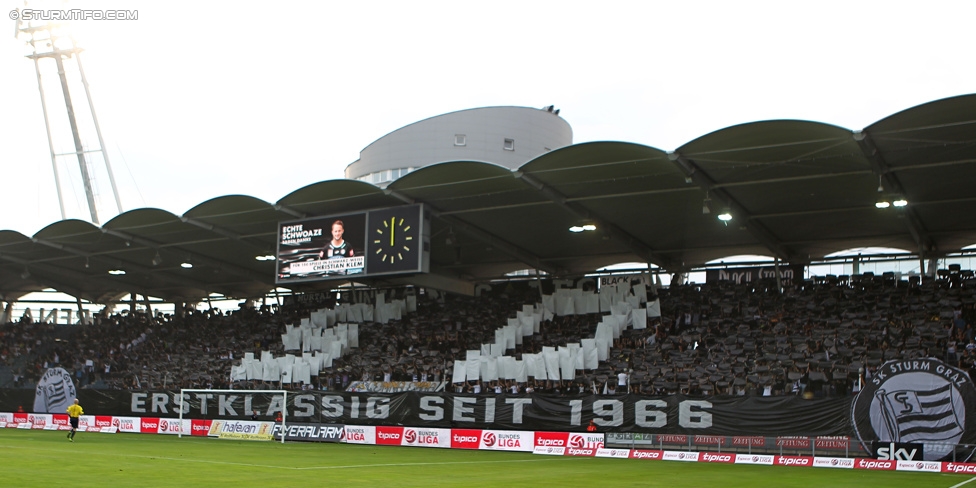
(46, 459)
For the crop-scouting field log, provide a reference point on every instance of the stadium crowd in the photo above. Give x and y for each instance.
(820, 337)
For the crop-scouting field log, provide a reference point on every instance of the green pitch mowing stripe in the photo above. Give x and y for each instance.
(46, 459)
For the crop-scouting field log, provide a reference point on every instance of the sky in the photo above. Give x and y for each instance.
(203, 99)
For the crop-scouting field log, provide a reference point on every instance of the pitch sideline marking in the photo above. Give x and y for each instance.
(351, 466)
(957, 485)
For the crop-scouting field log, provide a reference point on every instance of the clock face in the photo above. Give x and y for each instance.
(399, 242)
(393, 238)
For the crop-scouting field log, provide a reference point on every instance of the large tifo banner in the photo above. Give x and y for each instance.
(904, 404)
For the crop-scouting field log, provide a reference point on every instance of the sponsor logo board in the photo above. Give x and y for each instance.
(710, 440)
(748, 441)
(465, 438)
(754, 459)
(589, 441)
(128, 424)
(866, 463)
(793, 461)
(840, 442)
(200, 427)
(672, 439)
(507, 440)
(39, 420)
(551, 439)
(310, 432)
(652, 454)
(389, 436)
(964, 468)
(360, 434)
(717, 457)
(793, 442)
(680, 456)
(426, 437)
(898, 451)
(580, 452)
(833, 462)
(613, 453)
(230, 429)
(549, 450)
(928, 466)
(149, 425)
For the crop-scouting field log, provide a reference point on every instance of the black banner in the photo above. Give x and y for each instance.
(749, 274)
(676, 414)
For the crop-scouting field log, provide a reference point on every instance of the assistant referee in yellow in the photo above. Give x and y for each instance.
(74, 411)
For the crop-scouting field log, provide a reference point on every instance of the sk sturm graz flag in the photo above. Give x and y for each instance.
(923, 401)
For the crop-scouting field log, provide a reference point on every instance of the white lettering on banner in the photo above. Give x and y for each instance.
(460, 439)
(433, 405)
(960, 468)
(387, 436)
(614, 409)
(650, 419)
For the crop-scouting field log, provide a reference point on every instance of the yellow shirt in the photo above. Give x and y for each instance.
(75, 411)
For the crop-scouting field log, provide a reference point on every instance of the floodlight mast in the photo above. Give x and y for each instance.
(46, 42)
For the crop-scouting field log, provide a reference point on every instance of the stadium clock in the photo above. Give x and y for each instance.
(394, 241)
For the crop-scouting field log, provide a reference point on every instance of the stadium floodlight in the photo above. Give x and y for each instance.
(882, 204)
(116, 272)
(581, 228)
(901, 202)
(186, 265)
(725, 216)
(266, 257)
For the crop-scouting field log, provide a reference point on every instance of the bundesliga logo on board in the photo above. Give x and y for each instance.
(920, 401)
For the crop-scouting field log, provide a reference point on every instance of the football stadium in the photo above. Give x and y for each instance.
(482, 301)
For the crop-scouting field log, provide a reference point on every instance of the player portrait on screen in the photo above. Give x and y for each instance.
(337, 247)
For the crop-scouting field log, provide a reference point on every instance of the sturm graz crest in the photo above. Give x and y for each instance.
(55, 391)
(922, 401)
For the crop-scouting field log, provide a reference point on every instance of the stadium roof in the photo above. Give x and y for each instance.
(797, 190)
